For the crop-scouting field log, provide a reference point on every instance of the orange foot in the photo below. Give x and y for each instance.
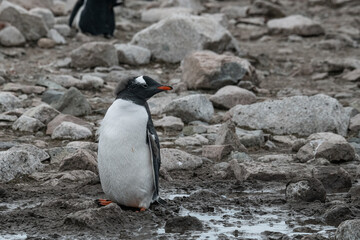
(142, 209)
(103, 202)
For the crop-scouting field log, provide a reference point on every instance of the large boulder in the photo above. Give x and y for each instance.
(19, 160)
(295, 24)
(348, 230)
(32, 26)
(94, 54)
(191, 108)
(171, 39)
(208, 70)
(300, 115)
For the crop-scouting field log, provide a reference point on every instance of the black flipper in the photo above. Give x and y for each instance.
(154, 146)
(76, 8)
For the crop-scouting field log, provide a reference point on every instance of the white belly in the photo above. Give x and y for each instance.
(125, 166)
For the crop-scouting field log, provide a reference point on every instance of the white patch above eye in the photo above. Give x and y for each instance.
(140, 80)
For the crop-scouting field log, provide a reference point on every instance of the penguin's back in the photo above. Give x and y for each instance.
(124, 160)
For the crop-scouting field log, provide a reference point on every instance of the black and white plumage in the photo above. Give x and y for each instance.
(129, 149)
(94, 16)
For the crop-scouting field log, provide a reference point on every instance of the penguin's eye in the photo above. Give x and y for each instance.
(144, 85)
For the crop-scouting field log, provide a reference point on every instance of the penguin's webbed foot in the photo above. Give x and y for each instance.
(142, 209)
(102, 202)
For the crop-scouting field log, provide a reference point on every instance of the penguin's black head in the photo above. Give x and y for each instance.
(142, 87)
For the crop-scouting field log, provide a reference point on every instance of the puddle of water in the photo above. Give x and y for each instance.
(8, 207)
(19, 236)
(173, 196)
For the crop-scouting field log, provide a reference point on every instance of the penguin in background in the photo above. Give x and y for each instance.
(129, 149)
(95, 17)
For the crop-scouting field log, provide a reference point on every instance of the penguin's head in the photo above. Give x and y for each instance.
(142, 87)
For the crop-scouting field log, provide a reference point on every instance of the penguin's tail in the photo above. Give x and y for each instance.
(161, 201)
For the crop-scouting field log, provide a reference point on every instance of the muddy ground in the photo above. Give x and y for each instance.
(226, 208)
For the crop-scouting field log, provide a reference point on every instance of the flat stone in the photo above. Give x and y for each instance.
(94, 54)
(43, 112)
(27, 124)
(132, 54)
(251, 138)
(295, 24)
(84, 145)
(169, 123)
(9, 102)
(82, 159)
(74, 176)
(230, 96)
(208, 70)
(352, 76)
(157, 14)
(69, 130)
(190, 108)
(294, 115)
(11, 37)
(216, 152)
(63, 29)
(65, 118)
(196, 140)
(56, 36)
(175, 159)
(308, 190)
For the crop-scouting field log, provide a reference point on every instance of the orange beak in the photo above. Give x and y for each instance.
(165, 88)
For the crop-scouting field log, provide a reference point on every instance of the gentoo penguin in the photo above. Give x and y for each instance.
(94, 16)
(129, 150)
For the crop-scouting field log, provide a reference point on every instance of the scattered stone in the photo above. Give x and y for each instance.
(65, 81)
(132, 54)
(84, 145)
(157, 14)
(235, 11)
(50, 96)
(337, 214)
(300, 115)
(333, 178)
(267, 9)
(308, 190)
(328, 145)
(230, 96)
(352, 76)
(57, 154)
(190, 108)
(63, 29)
(69, 130)
(75, 176)
(196, 140)
(45, 14)
(19, 160)
(183, 224)
(82, 159)
(175, 159)
(208, 70)
(73, 102)
(330, 44)
(11, 37)
(46, 43)
(94, 54)
(30, 25)
(44, 113)
(295, 24)
(354, 126)
(54, 35)
(27, 124)
(171, 39)
(226, 135)
(250, 138)
(269, 145)
(348, 230)
(8, 118)
(27, 89)
(8, 102)
(238, 170)
(65, 118)
(334, 64)
(216, 152)
(169, 123)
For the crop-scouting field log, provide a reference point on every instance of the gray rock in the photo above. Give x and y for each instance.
(354, 192)
(334, 64)
(354, 126)
(169, 123)
(75, 176)
(84, 145)
(73, 102)
(251, 138)
(183, 224)
(333, 178)
(294, 115)
(195, 5)
(19, 160)
(82, 159)
(65, 118)
(230, 96)
(226, 135)
(337, 214)
(50, 96)
(330, 146)
(348, 230)
(295, 24)
(208, 70)
(196, 140)
(352, 76)
(267, 9)
(30, 25)
(63, 29)
(8, 118)
(69, 130)
(308, 190)
(54, 35)
(232, 11)
(171, 39)
(94, 54)
(90, 82)
(46, 43)
(175, 159)
(44, 113)
(27, 124)
(66, 81)
(57, 154)
(8, 102)
(190, 108)
(27, 89)
(45, 14)
(157, 14)
(11, 37)
(238, 170)
(132, 54)
(216, 152)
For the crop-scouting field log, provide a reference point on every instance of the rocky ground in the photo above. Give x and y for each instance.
(260, 136)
